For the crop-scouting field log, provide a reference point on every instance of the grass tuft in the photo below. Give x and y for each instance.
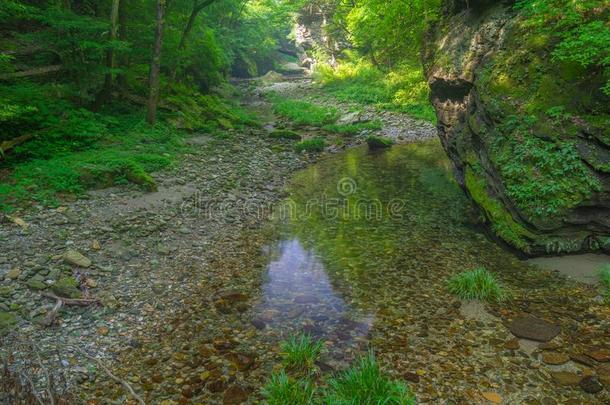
(366, 384)
(302, 113)
(283, 390)
(284, 134)
(300, 353)
(477, 284)
(353, 129)
(311, 145)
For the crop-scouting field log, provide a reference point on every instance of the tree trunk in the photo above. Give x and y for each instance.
(155, 65)
(106, 93)
(124, 58)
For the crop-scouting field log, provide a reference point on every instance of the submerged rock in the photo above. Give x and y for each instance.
(530, 327)
(527, 133)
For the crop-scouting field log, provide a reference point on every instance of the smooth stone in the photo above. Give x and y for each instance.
(14, 273)
(591, 384)
(601, 355)
(76, 259)
(492, 397)
(555, 358)
(235, 395)
(566, 377)
(533, 328)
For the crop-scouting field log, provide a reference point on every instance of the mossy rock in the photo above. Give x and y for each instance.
(36, 283)
(378, 142)
(7, 321)
(284, 134)
(66, 287)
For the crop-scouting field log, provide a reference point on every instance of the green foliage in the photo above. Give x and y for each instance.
(580, 27)
(378, 142)
(301, 352)
(353, 129)
(302, 113)
(129, 151)
(542, 177)
(284, 134)
(283, 390)
(311, 145)
(401, 89)
(477, 284)
(364, 383)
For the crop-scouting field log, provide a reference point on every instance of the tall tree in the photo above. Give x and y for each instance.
(155, 65)
(106, 94)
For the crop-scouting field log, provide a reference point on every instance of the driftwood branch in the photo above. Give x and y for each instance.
(72, 301)
(32, 72)
(124, 383)
(6, 145)
(60, 302)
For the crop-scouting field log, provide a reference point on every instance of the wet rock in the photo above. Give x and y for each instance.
(14, 273)
(512, 344)
(591, 384)
(7, 320)
(492, 397)
(601, 355)
(306, 299)
(566, 378)
(579, 358)
(233, 297)
(259, 323)
(603, 372)
(243, 361)
(412, 377)
(555, 358)
(235, 395)
(36, 283)
(66, 287)
(533, 328)
(76, 258)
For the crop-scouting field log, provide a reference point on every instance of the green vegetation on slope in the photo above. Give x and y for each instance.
(302, 113)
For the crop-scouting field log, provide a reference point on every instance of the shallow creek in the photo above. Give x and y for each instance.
(358, 255)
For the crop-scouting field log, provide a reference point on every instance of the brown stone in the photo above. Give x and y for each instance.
(492, 397)
(566, 377)
(533, 328)
(601, 355)
(555, 358)
(235, 395)
(413, 377)
(512, 344)
(603, 372)
(579, 358)
(591, 385)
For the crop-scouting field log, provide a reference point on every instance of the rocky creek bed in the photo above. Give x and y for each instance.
(198, 286)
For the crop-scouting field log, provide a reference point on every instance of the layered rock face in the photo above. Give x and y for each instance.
(529, 136)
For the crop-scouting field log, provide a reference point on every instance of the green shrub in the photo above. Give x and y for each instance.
(302, 113)
(284, 134)
(402, 88)
(477, 284)
(365, 384)
(282, 390)
(311, 145)
(378, 142)
(353, 129)
(300, 353)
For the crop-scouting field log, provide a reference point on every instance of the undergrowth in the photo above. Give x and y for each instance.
(402, 88)
(302, 113)
(73, 149)
(604, 276)
(311, 145)
(353, 129)
(477, 284)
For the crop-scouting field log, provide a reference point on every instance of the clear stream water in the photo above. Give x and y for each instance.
(358, 255)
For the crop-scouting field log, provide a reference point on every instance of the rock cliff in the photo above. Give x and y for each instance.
(529, 135)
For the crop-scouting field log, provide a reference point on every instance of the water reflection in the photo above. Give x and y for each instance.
(299, 297)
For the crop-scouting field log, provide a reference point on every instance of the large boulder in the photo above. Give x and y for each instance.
(529, 135)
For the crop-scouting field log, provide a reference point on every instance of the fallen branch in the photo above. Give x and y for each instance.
(124, 383)
(6, 145)
(50, 318)
(72, 301)
(32, 72)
